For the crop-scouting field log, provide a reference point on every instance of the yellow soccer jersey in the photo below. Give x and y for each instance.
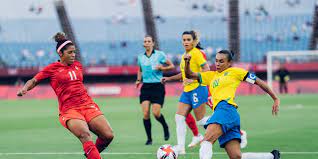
(196, 63)
(223, 85)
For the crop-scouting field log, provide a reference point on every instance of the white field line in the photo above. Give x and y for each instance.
(131, 153)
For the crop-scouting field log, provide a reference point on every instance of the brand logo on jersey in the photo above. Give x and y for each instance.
(76, 67)
(61, 70)
(226, 73)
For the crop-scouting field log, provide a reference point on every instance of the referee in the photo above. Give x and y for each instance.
(151, 65)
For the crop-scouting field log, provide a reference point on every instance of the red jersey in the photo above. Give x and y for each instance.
(67, 83)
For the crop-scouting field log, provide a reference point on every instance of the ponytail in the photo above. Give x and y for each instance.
(199, 46)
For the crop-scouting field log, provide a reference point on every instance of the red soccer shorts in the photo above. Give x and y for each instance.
(85, 113)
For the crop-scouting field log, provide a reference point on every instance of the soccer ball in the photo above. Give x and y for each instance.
(166, 152)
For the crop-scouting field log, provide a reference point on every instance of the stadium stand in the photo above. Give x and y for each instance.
(116, 40)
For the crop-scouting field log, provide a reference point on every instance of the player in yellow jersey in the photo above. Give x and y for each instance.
(195, 95)
(224, 124)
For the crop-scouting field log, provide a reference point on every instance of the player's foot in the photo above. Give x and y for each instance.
(148, 142)
(276, 154)
(166, 134)
(243, 139)
(179, 149)
(195, 140)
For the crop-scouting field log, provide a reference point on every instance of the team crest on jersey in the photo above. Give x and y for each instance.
(76, 67)
(226, 73)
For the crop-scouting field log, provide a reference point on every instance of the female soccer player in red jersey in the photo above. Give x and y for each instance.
(77, 111)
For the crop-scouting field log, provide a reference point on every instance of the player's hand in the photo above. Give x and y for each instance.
(187, 57)
(187, 81)
(275, 107)
(138, 83)
(164, 80)
(22, 92)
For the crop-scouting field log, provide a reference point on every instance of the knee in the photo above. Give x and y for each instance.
(236, 156)
(85, 136)
(210, 137)
(146, 115)
(108, 136)
(156, 113)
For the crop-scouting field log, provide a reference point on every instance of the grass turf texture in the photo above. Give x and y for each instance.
(32, 126)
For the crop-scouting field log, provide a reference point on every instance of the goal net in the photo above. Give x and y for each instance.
(302, 68)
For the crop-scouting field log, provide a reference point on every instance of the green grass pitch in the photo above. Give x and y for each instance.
(29, 129)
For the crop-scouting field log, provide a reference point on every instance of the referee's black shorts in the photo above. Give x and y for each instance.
(153, 92)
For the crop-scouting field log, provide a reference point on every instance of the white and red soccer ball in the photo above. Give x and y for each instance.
(166, 152)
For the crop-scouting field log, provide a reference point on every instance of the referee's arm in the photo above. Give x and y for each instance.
(169, 66)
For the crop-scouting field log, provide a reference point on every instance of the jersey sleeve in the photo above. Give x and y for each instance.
(162, 58)
(139, 63)
(206, 77)
(244, 75)
(44, 74)
(203, 54)
(199, 58)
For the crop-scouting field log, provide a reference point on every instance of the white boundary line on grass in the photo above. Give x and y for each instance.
(132, 153)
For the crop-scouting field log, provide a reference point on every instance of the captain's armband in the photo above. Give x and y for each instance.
(250, 78)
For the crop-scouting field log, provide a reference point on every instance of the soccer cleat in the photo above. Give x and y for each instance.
(195, 140)
(276, 154)
(148, 142)
(180, 150)
(243, 139)
(166, 134)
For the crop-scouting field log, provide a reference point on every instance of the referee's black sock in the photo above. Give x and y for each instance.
(162, 120)
(147, 125)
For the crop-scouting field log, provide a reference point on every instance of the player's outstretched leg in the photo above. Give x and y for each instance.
(100, 126)
(90, 150)
(80, 129)
(206, 150)
(275, 154)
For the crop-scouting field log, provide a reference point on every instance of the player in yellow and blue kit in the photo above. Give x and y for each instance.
(224, 124)
(195, 94)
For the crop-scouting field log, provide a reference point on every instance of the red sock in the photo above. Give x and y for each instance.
(100, 144)
(192, 124)
(91, 150)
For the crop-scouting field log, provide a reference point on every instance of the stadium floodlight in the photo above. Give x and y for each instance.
(291, 56)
